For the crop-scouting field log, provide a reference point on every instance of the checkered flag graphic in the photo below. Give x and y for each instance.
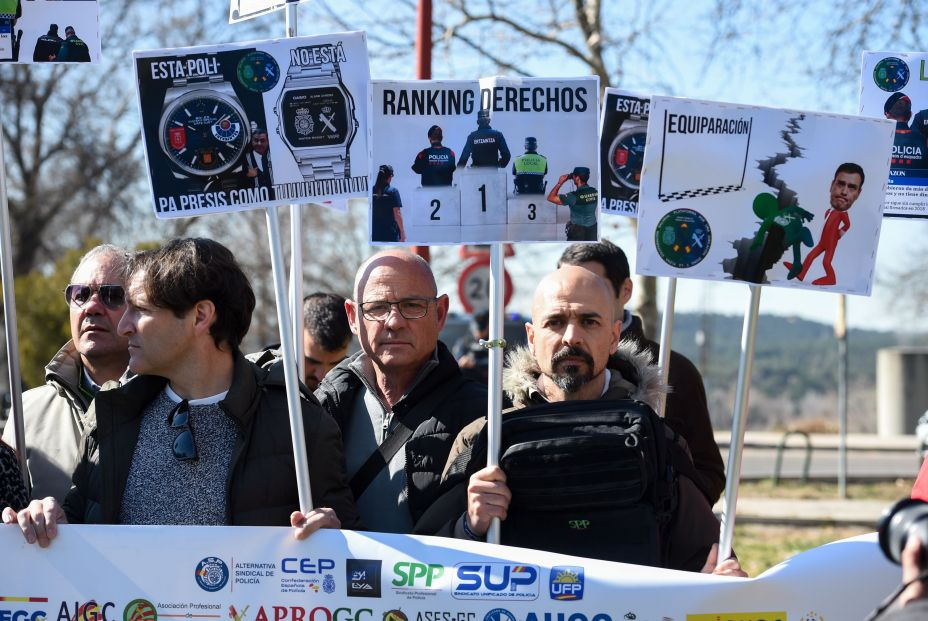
(722, 189)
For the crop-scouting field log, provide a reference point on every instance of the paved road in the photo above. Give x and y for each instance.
(759, 463)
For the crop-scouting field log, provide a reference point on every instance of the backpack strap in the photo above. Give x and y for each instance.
(683, 464)
(407, 425)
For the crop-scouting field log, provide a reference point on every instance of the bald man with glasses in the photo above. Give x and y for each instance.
(54, 415)
(402, 399)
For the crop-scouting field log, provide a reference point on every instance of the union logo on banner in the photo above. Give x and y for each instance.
(178, 137)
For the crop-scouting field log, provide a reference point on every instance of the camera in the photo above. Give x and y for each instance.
(907, 518)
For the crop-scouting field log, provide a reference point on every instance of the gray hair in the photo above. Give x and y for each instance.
(119, 255)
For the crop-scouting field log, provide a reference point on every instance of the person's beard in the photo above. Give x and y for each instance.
(571, 379)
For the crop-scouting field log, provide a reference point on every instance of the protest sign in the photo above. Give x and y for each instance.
(152, 573)
(44, 31)
(478, 161)
(761, 195)
(894, 86)
(232, 127)
(622, 138)
(240, 10)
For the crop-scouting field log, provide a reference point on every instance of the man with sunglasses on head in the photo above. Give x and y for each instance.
(55, 415)
(200, 435)
(401, 400)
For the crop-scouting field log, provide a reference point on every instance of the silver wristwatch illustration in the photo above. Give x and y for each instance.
(204, 129)
(317, 120)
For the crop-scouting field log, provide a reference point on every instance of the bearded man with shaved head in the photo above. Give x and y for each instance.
(571, 337)
(401, 400)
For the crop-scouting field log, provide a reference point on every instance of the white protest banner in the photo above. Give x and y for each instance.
(476, 161)
(622, 138)
(894, 85)
(145, 573)
(761, 195)
(233, 127)
(240, 10)
(49, 31)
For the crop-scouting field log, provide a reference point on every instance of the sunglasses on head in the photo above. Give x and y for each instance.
(112, 296)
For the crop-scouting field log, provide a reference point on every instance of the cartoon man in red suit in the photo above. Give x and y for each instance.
(845, 188)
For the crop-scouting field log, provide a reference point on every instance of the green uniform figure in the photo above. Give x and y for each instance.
(530, 169)
(582, 203)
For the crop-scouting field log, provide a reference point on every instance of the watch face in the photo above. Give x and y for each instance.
(626, 156)
(315, 117)
(204, 132)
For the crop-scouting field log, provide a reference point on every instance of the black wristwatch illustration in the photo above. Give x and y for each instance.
(626, 153)
(317, 120)
(204, 130)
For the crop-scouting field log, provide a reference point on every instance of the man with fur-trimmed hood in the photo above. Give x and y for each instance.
(571, 336)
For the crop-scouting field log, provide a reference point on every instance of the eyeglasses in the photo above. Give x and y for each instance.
(184, 447)
(112, 296)
(409, 308)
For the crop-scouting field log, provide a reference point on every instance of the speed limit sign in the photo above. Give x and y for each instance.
(474, 286)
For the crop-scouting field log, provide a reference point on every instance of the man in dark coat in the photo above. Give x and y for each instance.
(47, 46)
(195, 437)
(686, 410)
(570, 340)
(401, 400)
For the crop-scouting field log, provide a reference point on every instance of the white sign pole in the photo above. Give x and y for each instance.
(286, 348)
(9, 321)
(496, 346)
(739, 419)
(663, 357)
(296, 243)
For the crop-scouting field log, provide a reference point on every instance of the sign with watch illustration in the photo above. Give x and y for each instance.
(623, 134)
(242, 126)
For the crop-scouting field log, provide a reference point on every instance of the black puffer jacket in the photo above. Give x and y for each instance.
(427, 449)
(262, 489)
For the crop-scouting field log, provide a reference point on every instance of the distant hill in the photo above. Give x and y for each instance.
(793, 356)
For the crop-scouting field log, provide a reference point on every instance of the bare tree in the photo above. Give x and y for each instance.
(476, 37)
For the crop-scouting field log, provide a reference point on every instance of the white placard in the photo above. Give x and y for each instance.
(432, 133)
(231, 573)
(622, 140)
(49, 31)
(233, 127)
(240, 10)
(775, 197)
(894, 85)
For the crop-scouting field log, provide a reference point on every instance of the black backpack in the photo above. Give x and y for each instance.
(589, 478)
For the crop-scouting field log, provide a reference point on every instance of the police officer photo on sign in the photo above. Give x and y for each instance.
(486, 193)
(529, 170)
(436, 162)
(582, 201)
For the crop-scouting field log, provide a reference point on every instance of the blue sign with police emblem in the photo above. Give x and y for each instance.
(212, 574)
(566, 583)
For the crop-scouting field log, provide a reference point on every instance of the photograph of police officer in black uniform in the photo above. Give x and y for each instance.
(485, 146)
(529, 169)
(582, 202)
(47, 46)
(435, 164)
(908, 144)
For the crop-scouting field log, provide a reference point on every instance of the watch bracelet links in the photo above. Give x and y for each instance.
(319, 166)
(211, 79)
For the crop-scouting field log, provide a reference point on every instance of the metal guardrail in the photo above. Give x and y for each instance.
(806, 466)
